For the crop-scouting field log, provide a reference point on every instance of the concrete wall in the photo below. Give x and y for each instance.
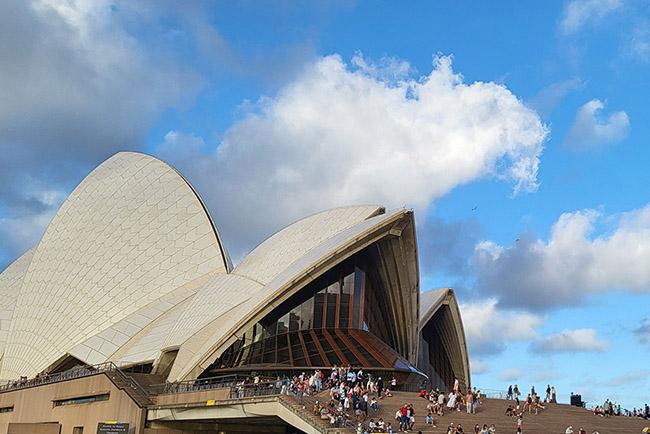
(35, 405)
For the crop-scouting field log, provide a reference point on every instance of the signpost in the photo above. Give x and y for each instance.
(112, 428)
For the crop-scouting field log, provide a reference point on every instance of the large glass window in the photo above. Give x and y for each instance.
(321, 324)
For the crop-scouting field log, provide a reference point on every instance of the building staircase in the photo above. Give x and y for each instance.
(554, 420)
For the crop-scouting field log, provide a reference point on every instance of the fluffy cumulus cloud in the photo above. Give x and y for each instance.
(591, 130)
(76, 87)
(643, 332)
(580, 13)
(569, 341)
(489, 329)
(540, 274)
(362, 133)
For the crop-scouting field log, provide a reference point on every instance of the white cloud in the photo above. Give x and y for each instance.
(540, 274)
(589, 130)
(76, 87)
(579, 340)
(478, 366)
(638, 45)
(510, 374)
(550, 96)
(489, 329)
(342, 134)
(579, 13)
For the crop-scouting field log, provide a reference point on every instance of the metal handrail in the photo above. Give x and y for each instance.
(220, 382)
(78, 372)
(70, 374)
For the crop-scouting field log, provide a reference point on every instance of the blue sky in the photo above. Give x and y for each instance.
(516, 130)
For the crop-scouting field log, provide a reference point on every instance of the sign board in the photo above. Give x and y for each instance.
(112, 428)
(210, 402)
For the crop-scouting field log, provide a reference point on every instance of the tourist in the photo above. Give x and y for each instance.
(509, 395)
(547, 398)
(568, 430)
(469, 398)
(428, 419)
(451, 401)
(553, 395)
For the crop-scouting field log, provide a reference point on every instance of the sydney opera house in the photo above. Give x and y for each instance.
(132, 271)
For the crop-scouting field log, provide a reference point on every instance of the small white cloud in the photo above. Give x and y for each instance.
(579, 13)
(489, 329)
(510, 374)
(589, 130)
(478, 366)
(638, 45)
(579, 340)
(549, 97)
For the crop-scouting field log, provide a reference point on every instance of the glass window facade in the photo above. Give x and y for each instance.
(341, 318)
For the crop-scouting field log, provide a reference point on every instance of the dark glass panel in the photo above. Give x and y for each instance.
(319, 302)
(283, 355)
(312, 350)
(352, 359)
(269, 345)
(271, 329)
(359, 345)
(294, 319)
(268, 357)
(306, 314)
(283, 324)
(332, 301)
(344, 303)
(256, 354)
(358, 297)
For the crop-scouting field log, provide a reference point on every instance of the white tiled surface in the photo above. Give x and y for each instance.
(430, 298)
(130, 233)
(10, 280)
(222, 293)
(281, 249)
(199, 347)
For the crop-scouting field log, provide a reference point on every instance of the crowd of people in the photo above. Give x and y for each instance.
(609, 409)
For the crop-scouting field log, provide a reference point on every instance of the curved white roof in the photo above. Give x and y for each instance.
(199, 349)
(10, 281)
(132, 266)
(130, 233)
(275, 254)
(430, 302)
